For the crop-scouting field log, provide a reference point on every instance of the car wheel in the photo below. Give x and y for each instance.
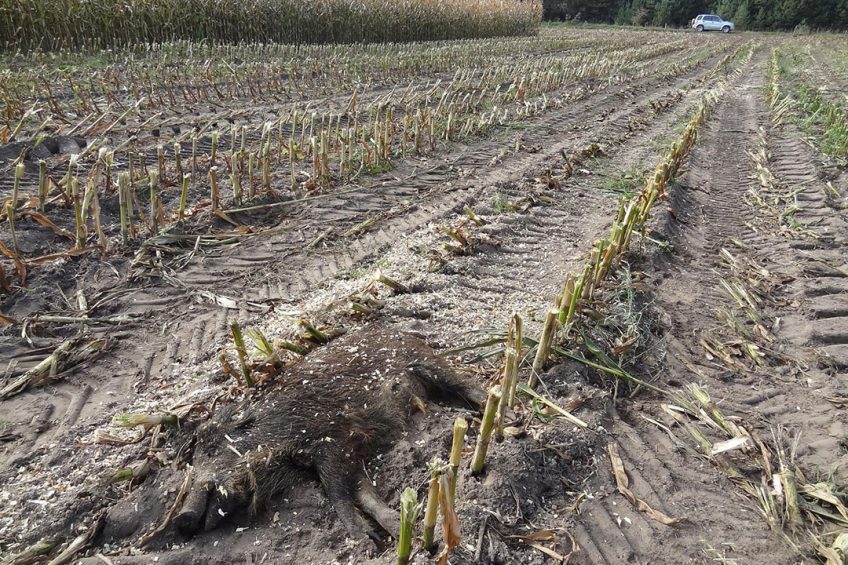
(700, 28)
(726, 29)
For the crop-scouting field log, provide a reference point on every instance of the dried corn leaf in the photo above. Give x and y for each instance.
(732, 444)
(20, 266)
(823, 512)
(837, 553)
(539, 535)
(226, 218)
(46, 222)
(824, 492)
(555, 408)
(222, 301)
(6, 251)
(81, 541)
(450, 522)
(63, 255)
(840, 401)
(622, 482)
(831, 556)
(549, 552)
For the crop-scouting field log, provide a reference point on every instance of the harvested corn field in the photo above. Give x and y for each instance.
(572, 297)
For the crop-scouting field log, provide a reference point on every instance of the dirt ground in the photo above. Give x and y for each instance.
(549, 492)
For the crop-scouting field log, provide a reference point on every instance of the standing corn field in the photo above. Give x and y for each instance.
(57, 24)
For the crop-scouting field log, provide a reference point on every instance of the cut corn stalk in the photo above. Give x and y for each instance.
(154, 203)
(133, 474)
(515, 341)
(431, 512)
(486, 430)
(214, 191)
(123, 195)
(10, 214)
(42, 184)
(508, 383)
(474, 217)
(564, 301)
(460, 426)
(391, 283)
(314, 333)
(145, 420)
(66, 356)
(33, 554)
(543, 350)
(183, 197)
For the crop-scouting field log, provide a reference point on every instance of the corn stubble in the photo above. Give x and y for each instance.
(578, 290)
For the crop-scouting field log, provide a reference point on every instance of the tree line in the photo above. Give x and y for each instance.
(746, 14)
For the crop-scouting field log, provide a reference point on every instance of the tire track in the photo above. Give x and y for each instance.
(707, 216)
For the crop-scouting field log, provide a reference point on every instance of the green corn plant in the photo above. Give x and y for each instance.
(409, 510)
(241, 352)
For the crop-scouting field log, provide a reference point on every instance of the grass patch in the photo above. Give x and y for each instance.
(827, 122)
(502, 205)
(625, 183)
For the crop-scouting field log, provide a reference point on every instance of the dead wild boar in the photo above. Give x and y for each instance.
(325, 416)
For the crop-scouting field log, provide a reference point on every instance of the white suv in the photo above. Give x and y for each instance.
(708, 22)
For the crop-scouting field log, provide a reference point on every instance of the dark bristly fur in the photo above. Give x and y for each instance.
(326, 415)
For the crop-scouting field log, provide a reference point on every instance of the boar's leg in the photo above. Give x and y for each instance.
(442, 382)
(190, 516)
(334, 473)
(370, 501)
(258, 476)
(223, 500)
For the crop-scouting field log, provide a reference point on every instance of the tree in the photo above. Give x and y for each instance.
(624, 14)
(642, 12)
(662, 16)
(742, 15)
(746, 14)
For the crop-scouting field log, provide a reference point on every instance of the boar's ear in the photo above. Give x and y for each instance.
(442, 383)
